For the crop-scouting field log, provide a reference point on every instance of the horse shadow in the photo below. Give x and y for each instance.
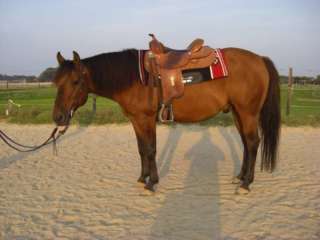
(166, 156)
(233, 140)
(194, 212)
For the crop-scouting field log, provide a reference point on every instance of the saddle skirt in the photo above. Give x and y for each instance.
(218, 69)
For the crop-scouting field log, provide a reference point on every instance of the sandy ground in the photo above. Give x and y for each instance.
(89, 191)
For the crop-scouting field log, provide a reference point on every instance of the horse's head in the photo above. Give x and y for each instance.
(72, 82)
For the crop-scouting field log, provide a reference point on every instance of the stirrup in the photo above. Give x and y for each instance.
(162, 109)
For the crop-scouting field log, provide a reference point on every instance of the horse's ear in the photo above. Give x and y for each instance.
(76, 58)
(60, 59)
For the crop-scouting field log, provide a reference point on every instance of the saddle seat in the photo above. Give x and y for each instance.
(159, 47)
(181, 58)
(194, 56)
(194, 46)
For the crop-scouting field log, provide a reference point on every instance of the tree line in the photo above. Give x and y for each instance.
(46, 76)
(301, 80)
(17, 77)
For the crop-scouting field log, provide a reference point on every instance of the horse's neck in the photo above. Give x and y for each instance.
(130, 98)
(120, 95)
(95, 85)
(106, 85)
(100, 92)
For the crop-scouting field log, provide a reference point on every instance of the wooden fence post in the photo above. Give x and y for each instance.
(94, 104)
(289, 91)
(7, 84)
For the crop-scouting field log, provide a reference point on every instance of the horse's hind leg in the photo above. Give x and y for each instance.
(237, 122)
(247, 125)
(251, 136)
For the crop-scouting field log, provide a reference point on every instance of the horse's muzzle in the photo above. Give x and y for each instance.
(60, 119)
(63, 119)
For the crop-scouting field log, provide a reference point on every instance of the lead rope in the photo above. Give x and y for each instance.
(25, 148)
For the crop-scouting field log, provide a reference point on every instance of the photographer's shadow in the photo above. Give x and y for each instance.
(193, 212)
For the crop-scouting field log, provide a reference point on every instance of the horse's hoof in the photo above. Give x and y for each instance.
(142, 180)
(235, 180)
(150, 186)
(243, 190)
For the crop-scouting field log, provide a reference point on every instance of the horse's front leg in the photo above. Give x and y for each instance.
(145, 168)
(145, 129)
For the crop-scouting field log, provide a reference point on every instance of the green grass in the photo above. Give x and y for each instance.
(305, 106)
(37, 107)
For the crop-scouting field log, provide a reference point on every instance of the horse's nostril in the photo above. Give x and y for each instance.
(59, 118)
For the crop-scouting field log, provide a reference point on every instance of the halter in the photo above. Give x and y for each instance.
(79, 87)
(54, 136)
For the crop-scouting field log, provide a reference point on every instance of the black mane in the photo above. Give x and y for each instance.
(114, 71)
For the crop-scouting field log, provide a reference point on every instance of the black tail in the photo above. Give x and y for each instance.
(270, 119)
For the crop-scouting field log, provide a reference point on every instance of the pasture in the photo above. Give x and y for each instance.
(36, 106)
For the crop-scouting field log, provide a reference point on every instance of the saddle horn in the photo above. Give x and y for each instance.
(155, 46)
(153, 36)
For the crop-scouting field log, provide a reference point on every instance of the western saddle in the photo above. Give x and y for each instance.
(166, 64)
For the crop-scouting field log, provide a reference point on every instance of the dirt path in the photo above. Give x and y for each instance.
(90, 192)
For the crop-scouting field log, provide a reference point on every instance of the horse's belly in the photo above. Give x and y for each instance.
(200, 101)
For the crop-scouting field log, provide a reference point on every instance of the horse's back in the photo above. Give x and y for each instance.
(246, 84)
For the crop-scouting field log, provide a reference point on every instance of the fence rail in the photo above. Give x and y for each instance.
(15, 84)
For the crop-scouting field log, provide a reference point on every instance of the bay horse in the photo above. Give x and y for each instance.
(251, 91)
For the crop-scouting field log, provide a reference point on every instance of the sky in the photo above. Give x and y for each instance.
(32, 32)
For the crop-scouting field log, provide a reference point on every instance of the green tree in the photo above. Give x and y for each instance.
(47, 75)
